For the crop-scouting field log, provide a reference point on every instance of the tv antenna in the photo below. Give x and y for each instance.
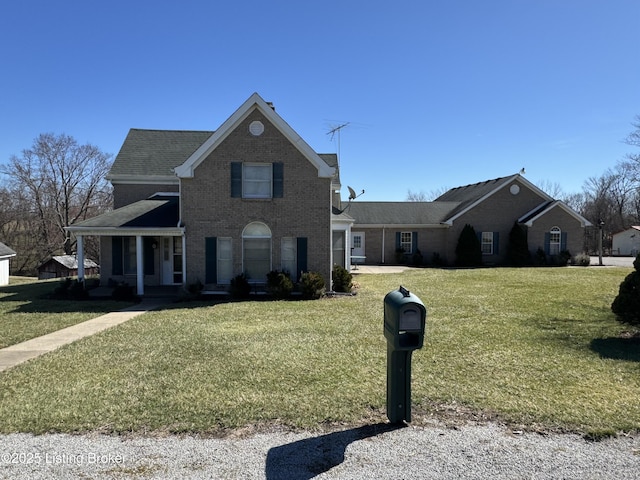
(335, 131)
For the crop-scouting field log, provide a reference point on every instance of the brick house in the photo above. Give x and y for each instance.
(252, 196)
(382, 229)
(191, 207)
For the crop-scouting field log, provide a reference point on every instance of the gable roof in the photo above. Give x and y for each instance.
(469, 196)
(632, 228)
(254, 102)
(400, 213)
(152, 155)
(529, 218)
(70, 262)
(6, 252)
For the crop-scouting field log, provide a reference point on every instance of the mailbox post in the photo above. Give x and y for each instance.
(404, 324)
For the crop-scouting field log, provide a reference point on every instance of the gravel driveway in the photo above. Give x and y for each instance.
(376, 452)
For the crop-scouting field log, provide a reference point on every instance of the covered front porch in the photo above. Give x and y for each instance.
(142, 244)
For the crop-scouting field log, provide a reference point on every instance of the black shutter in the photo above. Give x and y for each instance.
(547, 243)
(278, 180)
(301, 253)
(116, 256)
(211, 260)
(236, 179)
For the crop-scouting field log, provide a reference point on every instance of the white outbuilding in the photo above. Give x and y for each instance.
(627, 242)
(5, 254)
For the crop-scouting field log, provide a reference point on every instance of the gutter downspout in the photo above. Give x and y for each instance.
(184, 239)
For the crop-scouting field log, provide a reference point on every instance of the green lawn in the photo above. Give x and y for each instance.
(26, 313)
(537, 348)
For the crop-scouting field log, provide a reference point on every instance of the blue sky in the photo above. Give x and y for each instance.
(436, 93)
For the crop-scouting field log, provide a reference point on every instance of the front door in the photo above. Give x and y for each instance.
(171, 260)
(357, 248)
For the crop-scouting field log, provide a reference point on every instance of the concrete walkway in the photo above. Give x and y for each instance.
(21, 352)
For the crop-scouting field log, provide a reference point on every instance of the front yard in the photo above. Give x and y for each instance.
(26, 313)
(536, 348)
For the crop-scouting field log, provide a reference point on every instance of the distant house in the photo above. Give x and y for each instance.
(5, 254)
(65, 266)
(627, 242)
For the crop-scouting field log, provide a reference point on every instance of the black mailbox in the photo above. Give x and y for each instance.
(405, 317)
(404, 320)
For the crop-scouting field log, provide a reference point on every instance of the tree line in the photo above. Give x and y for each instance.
(612, 199)
(55, 183)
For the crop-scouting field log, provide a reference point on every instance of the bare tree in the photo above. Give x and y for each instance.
(416, 196)
(421, 196)
(54, 184)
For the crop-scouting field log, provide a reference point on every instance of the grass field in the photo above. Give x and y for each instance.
(26, 313)
(536, 348)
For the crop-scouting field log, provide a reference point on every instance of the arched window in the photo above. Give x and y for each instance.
(555, 237)
(256, 251)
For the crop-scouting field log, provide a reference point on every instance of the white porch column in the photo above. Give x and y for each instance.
(184, 260)
(139, 265)
(80, 258)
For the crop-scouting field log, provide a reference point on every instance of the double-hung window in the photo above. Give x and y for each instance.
(555, 237)
(406, 242)
(257, 180)
(487, 243)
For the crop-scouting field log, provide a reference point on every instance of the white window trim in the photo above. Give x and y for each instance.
(552, 232)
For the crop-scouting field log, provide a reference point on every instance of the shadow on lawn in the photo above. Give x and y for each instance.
(618, 348)
(310, 457)
(35, 298)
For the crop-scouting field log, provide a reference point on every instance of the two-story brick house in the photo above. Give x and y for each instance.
(195, 206)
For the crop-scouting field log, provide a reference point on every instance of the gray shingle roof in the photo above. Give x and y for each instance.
(71, 261)
(400, 213)
(156, 152)
(6, 251)
(470, 193)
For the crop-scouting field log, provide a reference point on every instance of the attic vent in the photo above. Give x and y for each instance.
(514, 189)
(256, 128)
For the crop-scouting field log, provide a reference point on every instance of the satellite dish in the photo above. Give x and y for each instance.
(352, 194)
